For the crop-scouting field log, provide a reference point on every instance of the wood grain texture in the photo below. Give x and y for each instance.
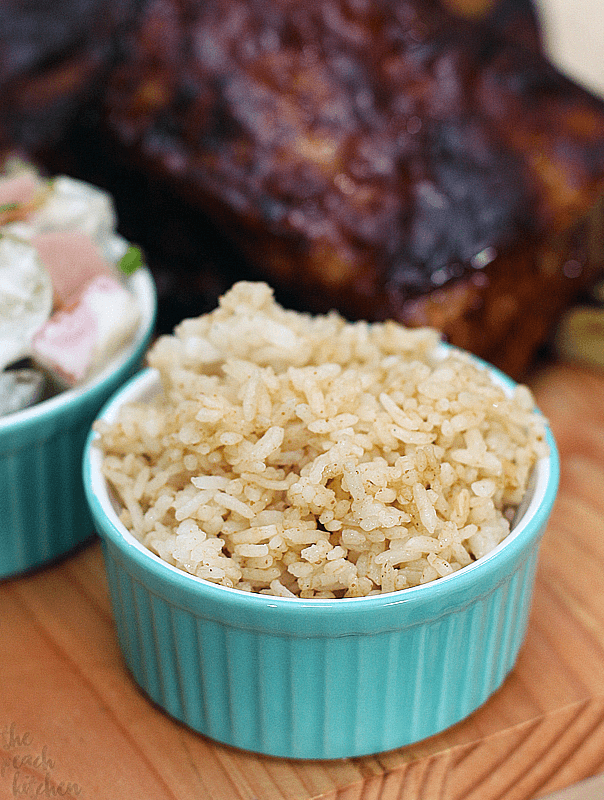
(74, 723)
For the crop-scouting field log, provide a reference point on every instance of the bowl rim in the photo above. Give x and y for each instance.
(143, 287)
(463, 586)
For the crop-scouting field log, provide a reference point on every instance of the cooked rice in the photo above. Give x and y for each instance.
(309, 456)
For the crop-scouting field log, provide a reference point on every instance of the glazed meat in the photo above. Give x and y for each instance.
(53, 58)
(387, 158)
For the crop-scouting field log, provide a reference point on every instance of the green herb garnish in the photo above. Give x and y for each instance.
(131, 260)
(8, 207)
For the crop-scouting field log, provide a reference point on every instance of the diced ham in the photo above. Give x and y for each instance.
(19, 190)
(72, 260)
(77, 340)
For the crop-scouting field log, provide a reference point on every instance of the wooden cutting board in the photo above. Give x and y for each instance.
(73, 722)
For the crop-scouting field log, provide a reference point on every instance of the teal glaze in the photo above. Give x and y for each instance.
(43, 508)
(318, 679)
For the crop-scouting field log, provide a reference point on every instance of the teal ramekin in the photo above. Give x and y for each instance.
(318, 679)
(43, 508)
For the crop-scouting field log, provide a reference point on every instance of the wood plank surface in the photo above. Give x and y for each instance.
(73, 723)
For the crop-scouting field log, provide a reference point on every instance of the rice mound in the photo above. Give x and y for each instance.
(310, 456)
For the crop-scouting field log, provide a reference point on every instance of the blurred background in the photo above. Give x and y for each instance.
(194, 119)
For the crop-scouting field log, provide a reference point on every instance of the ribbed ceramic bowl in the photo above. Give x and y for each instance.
(317, 678)
(43, 508)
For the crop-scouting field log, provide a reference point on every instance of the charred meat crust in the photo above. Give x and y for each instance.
(385, 158)
(374, 155)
